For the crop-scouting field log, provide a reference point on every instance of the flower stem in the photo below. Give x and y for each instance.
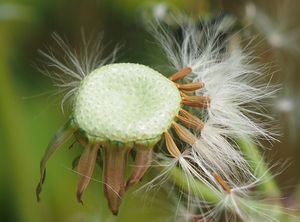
(198, 188)
(256, 161)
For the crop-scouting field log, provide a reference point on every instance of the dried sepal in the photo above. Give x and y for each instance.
(115, 160)
(61, 136)
(85, 168)
(142, 162)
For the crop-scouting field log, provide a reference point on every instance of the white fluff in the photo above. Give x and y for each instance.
(68, 67)
(241, 204)
(237, 110)
(238, 97)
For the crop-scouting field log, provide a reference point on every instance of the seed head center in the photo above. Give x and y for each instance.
(126, 102)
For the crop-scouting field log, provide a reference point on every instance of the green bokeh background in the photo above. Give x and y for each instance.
(30, 112)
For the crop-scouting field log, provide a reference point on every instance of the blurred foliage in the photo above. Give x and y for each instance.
(30, 112)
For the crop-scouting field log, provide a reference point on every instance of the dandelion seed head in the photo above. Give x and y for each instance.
(122, 107)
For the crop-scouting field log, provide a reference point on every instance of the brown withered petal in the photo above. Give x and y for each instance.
(85, 168)
(115, 161)
(60, 137)
(141, 164)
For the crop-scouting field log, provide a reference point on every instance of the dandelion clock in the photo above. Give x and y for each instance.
(213, 97)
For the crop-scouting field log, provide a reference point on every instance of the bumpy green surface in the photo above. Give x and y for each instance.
(125, 102)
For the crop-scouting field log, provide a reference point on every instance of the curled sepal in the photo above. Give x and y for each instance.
(61, 136)
(85, 168)
(115, 160)
(141, 164)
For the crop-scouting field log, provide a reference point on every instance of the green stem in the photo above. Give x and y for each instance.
(256, 161)
(197, 188)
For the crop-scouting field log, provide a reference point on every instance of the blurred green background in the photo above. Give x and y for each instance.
(30, 112)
